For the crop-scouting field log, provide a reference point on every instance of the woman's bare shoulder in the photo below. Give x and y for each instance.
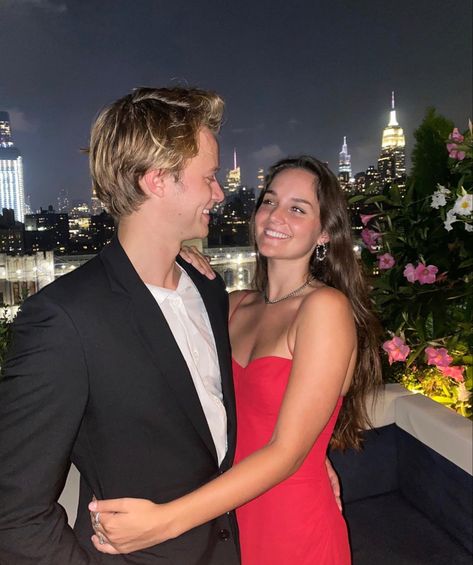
(236, 296)
(325, 301)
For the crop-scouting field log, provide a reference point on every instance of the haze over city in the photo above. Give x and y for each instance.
(296, 76)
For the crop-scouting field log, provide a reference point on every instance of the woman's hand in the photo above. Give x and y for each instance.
(334, 483)
(201, 262)
(124, 525)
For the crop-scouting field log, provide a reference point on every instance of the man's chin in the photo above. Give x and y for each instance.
(201, 235)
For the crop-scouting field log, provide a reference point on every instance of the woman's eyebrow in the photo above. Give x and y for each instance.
(302, 201)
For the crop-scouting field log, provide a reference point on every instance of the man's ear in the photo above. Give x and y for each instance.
(153, 181)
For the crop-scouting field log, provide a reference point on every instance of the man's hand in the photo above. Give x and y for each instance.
(334, 482)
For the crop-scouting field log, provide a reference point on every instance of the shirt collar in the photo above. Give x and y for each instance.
(161, 294)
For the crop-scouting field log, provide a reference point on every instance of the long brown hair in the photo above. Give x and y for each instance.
(341, 270)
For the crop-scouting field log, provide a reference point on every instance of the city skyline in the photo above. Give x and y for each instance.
(300, 78)
(231, 178)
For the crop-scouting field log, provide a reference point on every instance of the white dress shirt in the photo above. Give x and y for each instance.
(189, 322)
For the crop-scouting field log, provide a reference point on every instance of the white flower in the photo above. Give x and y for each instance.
(439, 197)
(438, 200)
(462, 393)
(451, 218)
(463, 205)
(468, 227)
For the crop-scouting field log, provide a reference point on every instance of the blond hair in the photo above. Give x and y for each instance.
(151, 127)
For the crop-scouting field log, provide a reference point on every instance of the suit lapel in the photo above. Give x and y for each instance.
(149, 322)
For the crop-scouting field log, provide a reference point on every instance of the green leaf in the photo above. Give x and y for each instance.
(355, 199)
(467, 263)
(414, 354)
(377, 198)
(441, 399)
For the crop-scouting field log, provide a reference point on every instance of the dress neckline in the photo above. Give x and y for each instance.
(263, 357)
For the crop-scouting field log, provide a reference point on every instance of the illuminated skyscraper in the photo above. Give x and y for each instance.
(260, 182)
(344, 164)
(28, 207)
(233, 178)
(63, 200)
(11, 171)
(96, 207)
(392, 160)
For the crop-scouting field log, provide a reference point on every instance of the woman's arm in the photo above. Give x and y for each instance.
(325, 343)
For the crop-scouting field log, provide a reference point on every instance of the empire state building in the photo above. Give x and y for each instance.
(392, 160)
(11, 171)
(344, 164)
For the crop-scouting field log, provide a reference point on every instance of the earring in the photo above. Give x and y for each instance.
(320, 252)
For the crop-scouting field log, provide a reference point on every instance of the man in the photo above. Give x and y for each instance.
(123, 366)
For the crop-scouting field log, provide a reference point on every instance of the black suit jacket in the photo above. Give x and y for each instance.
(94, 376)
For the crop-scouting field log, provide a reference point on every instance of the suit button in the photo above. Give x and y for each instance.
(223, 534)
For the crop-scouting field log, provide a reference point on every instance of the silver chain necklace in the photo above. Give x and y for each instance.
(292, 293)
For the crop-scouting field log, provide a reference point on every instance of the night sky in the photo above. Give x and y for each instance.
(296, 75)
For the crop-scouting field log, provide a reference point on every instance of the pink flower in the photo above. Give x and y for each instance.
(456, 136)
(439, 357)
(365, 218)
(370, 237)
(454, 372)
(452, 148)
(396, 349)
(426, 274)
(386, 261)
(410, 273)
(454, 153)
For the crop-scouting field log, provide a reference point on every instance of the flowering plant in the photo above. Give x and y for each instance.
(5, 334)
(418, 248)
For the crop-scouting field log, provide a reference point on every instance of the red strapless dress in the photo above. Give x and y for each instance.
(297, 522)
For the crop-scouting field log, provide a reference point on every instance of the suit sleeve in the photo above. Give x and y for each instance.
(43, 394)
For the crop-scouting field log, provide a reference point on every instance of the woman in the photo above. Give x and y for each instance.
(305, 354)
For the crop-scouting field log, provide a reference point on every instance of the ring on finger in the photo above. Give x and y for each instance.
(97, 519)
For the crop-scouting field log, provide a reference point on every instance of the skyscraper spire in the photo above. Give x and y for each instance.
(392, 114)
(392, 160)
(393, 135)
(233, 178)
(344, 160)
(344, 165)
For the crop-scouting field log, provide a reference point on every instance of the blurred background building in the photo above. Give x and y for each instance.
(12, 195)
